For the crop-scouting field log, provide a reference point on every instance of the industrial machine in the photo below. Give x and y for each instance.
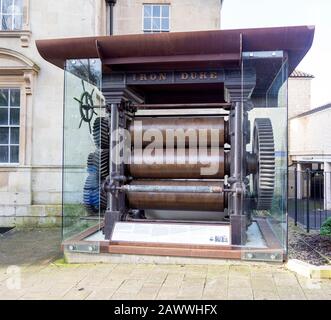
(176, 144)
(177, 185)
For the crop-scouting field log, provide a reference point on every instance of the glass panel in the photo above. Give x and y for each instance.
(165, 24)
(15, 97)
(266, 200)
(17, 9)
(147, 24)
(6, 22)
(81, 196)
(3, 116)
(14, 154)
(14, 136)
(147, 11)
(156, 24)
(7, 6)
(165, 11)
(4, 135)
(15, 116)
(156, 11)
(17, 22)
(4, 156)
(4, 97)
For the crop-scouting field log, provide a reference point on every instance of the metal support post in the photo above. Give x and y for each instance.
(238, 219)
(112, 214)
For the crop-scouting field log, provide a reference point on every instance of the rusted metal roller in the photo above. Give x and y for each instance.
(178, 201)
(180, 164)
(185, 131)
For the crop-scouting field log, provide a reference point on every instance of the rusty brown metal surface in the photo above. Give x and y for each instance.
(182, 201)
(180, 49)
(196, 130)
(188, 164)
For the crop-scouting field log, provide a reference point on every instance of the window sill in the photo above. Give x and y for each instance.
(23, 35)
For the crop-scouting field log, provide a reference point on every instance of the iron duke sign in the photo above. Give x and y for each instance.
(175, 77)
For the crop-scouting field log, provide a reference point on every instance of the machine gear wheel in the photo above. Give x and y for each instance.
(101, 133)
(94, 199)
(264, 151)
(98, 163)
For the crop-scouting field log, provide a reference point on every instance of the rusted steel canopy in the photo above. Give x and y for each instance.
(184, 49)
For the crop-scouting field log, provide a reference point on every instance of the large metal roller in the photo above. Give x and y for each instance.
(177, 201)
(184, 129)
(180, 164)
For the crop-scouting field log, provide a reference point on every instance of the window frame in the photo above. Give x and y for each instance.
(147, 31)
(10, 126)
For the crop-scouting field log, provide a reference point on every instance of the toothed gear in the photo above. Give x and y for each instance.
(101, 133)
(264, 149)
(98, 163)
(94, 199)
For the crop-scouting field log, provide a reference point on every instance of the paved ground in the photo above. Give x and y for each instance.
(35, 277)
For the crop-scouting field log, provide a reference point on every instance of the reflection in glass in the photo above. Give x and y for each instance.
(14, 154)
(4, 135)
(15, 116)
(3, 116)
(14, 136)
(4, 154)
(4, 97)
(82, 79)
(15, 97)
(270, 102)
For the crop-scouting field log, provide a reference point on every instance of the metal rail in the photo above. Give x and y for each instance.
(172, 189)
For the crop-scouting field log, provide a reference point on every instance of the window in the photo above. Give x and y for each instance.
(11, 15)
(10, 100)
(156, 18)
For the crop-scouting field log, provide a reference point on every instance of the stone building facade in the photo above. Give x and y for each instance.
(31, 90)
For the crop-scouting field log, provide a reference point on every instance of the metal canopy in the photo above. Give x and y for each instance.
(170, 51)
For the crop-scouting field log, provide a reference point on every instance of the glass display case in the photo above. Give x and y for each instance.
(118, 197)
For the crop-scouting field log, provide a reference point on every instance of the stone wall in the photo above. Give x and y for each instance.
(30, 193)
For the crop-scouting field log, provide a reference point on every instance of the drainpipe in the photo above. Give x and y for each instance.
(111, 4)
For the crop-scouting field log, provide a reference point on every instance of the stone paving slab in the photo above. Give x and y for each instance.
(28, 272)
(94, 282)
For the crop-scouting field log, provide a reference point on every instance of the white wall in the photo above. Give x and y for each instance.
(310, 135)
(299, 96)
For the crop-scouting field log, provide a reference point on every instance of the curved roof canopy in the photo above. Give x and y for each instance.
(180, 49)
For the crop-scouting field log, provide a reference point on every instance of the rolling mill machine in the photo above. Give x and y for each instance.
(186, 141)
(174, 179)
